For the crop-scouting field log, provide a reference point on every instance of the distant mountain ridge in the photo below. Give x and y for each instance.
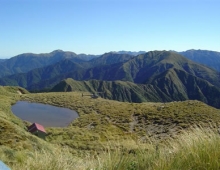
(25, 62)
(52, 74)
(142, 68)
(134, 53)
(41, 74)
(208, 58)
(28, 61)
(153, 76)
(138, 69)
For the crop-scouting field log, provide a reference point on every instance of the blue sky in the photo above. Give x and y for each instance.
(98, 26)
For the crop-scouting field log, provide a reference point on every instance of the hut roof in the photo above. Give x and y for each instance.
(36, 126)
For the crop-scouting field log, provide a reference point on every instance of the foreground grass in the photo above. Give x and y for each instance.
(196, 149)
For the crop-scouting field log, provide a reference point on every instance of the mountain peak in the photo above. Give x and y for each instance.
(57, 51)
(134, 53)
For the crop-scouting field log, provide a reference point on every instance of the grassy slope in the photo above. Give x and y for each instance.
(102, 120)
(14, 136)
(118, 135)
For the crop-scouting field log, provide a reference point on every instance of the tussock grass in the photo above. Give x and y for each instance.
(197, 148)
(59, 159)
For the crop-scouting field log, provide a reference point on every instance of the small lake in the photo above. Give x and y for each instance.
(46, 115)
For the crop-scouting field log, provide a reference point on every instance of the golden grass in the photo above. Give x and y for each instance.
(197, 148)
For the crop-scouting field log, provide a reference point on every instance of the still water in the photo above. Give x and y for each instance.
(46, 115)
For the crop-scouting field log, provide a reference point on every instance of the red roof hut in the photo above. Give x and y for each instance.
(37, 130)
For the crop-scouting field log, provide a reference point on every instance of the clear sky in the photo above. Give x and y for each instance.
(98, 26)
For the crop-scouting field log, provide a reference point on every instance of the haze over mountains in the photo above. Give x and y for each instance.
(158, 76)
(208, 58)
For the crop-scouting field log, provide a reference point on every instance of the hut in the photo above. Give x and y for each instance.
(37, 130)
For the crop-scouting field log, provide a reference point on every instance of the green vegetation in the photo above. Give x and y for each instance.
(156, 76)
(112, 135)
(103, 120)
(171, 85)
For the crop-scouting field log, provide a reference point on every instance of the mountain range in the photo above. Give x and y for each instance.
(25, 62)
(158, 76)
(205, 57)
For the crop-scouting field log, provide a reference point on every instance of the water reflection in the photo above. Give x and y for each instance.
(46, 115)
